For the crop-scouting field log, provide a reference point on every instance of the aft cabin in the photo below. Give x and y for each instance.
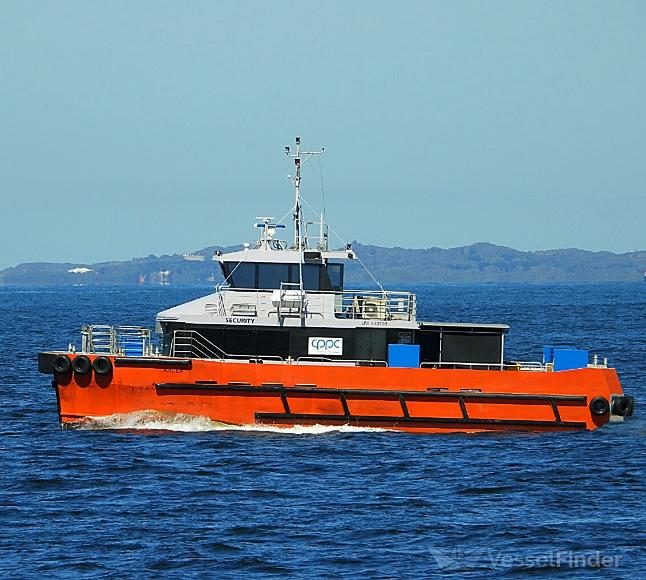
(431, 344)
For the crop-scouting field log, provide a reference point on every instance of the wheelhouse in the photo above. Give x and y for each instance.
(281, 300)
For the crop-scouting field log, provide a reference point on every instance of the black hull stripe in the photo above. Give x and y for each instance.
(152, 362)
(193, 388)
(368, 420)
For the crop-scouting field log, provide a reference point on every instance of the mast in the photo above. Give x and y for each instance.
(300, 239)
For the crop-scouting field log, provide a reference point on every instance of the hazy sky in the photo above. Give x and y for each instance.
(129, 128)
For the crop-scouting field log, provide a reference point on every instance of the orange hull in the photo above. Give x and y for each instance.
(416, 400)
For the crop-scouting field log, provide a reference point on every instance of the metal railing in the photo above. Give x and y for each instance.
(463, 365)
(136, 341)
(376, 305)
(193, 344)
(98, 338)
(513, 365)
(343, 361)
(120, 340)
(529, 366)
(290, 299)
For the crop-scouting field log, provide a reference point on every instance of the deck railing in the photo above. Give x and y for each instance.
(376, 305)
(124, 340)
(289, 299)
(136, 341)
(513, 365)
(193, 344)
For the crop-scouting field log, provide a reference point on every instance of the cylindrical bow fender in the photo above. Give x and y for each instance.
(623, 406)
(599, 406)
(62, 364)
(81, 365)
(102, 365)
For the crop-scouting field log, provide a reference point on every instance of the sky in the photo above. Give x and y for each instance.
(137, 128)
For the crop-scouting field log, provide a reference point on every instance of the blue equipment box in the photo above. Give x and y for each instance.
(566, 359)
(132, 346)
(403, 356)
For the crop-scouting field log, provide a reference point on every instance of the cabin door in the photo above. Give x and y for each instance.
(370, 344)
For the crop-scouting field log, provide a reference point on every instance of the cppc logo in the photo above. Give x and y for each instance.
(325, 345)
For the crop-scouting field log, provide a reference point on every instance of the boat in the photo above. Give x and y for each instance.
(284, 342)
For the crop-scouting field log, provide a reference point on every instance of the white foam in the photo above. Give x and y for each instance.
(162, 421)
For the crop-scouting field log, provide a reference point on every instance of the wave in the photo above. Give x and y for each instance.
(181, 422)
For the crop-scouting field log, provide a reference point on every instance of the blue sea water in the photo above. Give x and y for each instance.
(186, 498)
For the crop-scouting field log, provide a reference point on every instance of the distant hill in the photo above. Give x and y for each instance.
(488, 263)
(148, 270)
(477, 263)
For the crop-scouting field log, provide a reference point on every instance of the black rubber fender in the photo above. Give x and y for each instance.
(62, 364)
(81, 364)
(599, 406)
(102, 365)
(623, 406)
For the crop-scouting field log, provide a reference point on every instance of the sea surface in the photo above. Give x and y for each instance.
(151, 496)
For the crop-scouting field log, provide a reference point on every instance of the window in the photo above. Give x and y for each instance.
(335, 272)
(243, 275)
(404, 338)
(310, 276)
(271, 275)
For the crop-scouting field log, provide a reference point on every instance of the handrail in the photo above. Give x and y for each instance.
(188, 343)
(376, 304)
(348, 304)
(521, 365)
(461, 364)
(193, 344)
(530, 366)
(355, 362)
(107, 339)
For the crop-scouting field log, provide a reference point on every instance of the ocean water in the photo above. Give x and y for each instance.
(149, 495)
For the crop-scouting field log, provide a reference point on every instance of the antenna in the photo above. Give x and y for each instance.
(268, 230)
(323, 235)
(300, 157)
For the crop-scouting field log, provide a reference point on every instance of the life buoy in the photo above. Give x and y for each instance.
(599, 406)
(62, 364)
(81, 365)
(102, 365)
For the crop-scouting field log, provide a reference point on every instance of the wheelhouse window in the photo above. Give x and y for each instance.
(242, 275)
(335, 274)
(264, 276)
(311, 276)
(271, 275)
